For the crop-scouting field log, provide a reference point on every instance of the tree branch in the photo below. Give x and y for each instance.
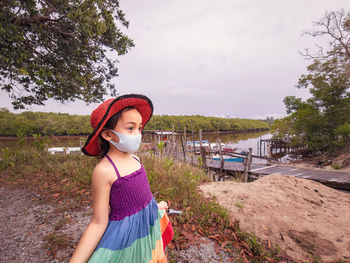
(332, 25)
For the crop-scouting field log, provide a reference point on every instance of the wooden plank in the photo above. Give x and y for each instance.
(262, 168)
(334, 179)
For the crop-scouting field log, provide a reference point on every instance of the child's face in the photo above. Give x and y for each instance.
(130, 122)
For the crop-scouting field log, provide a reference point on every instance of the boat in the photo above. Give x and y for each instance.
(64, 150)
(227, 158)
(205, 143)
(197, 143)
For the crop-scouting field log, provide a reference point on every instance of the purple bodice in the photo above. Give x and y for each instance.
(129, 194)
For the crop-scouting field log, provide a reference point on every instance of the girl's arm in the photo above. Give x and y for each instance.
(93, 233)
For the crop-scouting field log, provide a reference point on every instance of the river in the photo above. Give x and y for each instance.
(241, 141)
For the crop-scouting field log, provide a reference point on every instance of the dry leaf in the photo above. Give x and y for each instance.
(223, 244)
(214, 237)
(245, 245)
(245, 259)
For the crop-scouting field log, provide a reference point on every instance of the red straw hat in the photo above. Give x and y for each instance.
(107, 109)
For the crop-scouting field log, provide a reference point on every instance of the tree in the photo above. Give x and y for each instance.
(336, 27)
(318, 121)
(59, 49)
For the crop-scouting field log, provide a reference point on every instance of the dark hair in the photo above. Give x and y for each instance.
(110, 125)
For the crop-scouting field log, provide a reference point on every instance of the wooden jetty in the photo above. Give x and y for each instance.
(273, 147)
(250, 170)
(334, 179)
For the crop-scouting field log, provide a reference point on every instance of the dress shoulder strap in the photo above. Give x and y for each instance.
(115, 167)
(137, 159)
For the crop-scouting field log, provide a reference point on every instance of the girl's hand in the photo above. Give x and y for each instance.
(163, 205)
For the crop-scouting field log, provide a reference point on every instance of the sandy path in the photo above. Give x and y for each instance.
(306, 219)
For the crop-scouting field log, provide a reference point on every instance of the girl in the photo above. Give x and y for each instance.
(127, 224)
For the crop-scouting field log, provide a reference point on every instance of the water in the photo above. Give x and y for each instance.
(54, 141)
(240, 141)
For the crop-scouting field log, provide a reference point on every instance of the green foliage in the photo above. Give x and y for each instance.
(164, 122)
(40, 143)
(167, 164)
(343, 132)
(7, 159)
(239, 205)
(322, 121)
(75, 169)
(336, 166)
(161, 146)
(58, 49)
(200, 162)
(28, 123)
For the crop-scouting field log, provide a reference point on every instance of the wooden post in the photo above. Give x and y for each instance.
(221, 161)
(173, 140)
(182, 143)
(245, 170)
(159, 141)
(203, 156)
(185, 138)
(200, 143)
(247, 164)
(210, 160)
(192, 144)
(269, 150)
(250, 158)
(202, 150)
(209, 147)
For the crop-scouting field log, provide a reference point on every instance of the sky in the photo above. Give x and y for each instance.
(224, 58)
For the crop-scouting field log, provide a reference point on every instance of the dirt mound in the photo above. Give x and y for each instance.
(306, 219)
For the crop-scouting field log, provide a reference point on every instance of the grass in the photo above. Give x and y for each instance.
(59, 177)
(336, 167)
(56, 241)
(239, 205)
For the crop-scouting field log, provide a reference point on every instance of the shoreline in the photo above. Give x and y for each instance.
(11, 138)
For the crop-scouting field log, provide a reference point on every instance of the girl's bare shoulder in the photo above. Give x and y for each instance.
(104, 171)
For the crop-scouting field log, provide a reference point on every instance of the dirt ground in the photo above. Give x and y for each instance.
(307, 220)
(34, 231)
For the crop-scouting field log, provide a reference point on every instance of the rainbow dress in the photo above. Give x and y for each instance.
(137, 230)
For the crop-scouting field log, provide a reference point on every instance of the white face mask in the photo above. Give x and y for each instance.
(127, 143)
